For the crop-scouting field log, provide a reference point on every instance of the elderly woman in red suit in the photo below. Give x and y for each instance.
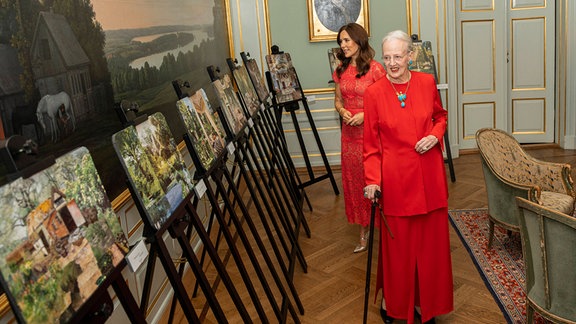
(403, 124)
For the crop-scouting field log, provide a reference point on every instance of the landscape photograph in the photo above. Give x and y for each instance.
(59, 239)
(155, 168)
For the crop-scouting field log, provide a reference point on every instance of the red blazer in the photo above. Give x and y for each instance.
(411, 183)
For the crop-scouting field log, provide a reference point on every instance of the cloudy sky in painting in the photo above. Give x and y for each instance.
(125, 14)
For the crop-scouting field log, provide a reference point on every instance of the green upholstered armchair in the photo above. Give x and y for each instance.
(549, 249)
(509, 172)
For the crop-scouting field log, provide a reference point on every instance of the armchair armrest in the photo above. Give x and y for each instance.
(551, 176)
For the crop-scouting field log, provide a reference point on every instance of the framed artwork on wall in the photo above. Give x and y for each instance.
(325, 17)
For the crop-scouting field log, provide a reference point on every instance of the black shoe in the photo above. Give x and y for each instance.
(430, 321)
(387, 319)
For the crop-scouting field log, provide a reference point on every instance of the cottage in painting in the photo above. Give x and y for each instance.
(60, 64)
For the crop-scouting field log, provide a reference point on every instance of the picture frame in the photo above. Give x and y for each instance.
(246, 90)
(61, 240)
(325, 17)
(333, 59)
(257, 80)
(423, 58)
(154, 167)
(284, 79)
(230, 105)
(207, 136)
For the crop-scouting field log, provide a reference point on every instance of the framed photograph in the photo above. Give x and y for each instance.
(60, 239)
(423, 59)
(325, 17)
(246, 90)
(284, 78)
(229, 104)
(257, 80)
(154, 167)
(333, 59)
(206, 136)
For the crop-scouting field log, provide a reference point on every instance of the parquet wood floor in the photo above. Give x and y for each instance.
(332, 290)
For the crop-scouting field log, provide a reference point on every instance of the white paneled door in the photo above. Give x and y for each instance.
(505, 52)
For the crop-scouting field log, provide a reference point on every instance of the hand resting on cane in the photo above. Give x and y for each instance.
(370, 192)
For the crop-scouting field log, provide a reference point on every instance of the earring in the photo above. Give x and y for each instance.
(410, 62)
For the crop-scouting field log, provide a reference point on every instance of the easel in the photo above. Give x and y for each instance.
(276, 188)
(180, 219)
(282, 193)
(271, 153)
(98, 307)
(216, 172)
(259, 133)
(291, 107)
(281, 158)
(446, 137)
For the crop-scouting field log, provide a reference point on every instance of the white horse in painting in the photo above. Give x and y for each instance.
(50, 104)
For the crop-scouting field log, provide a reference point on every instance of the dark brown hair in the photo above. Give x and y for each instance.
(366, 53)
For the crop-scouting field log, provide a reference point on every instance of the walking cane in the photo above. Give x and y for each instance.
(369, 262)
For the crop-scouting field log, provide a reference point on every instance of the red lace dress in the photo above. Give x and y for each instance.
(352, 90)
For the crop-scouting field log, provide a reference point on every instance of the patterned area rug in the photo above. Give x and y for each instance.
(501, 267)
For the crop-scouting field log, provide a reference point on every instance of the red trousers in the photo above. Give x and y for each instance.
(414, 267)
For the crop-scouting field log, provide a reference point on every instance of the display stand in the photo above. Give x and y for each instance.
(198, 119)
(259, 135)
(281, 158)
(269, 154)
(177, 221)
(291, 107)
(215, 172)
(63, 216)
(283, 193)
(216, 175)
(432, 70)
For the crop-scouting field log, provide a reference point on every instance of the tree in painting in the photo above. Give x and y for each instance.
(246, 90)
(210, 121)
(229, 104)
(196, 132)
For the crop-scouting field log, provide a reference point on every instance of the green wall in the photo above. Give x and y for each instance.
(289, 30)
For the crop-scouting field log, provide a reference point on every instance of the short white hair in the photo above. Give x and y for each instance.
(399, 35)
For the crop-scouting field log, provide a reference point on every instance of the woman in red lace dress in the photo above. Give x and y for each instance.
(357, 71)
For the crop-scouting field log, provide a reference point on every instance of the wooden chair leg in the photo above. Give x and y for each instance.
(491, 235)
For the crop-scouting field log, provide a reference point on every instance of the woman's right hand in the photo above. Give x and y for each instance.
(346, 115)
(370, 191)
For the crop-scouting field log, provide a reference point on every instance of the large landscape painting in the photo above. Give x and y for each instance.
(65, 65)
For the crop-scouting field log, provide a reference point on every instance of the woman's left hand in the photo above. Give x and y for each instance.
(425, 144)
